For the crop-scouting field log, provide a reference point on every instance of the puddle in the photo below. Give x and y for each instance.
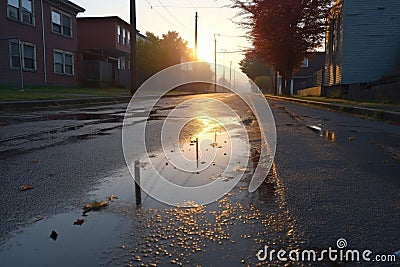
(70, 245)
(77, 240)
(326, 134)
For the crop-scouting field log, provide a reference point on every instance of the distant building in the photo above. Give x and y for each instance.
(105, 46)
(39, 37)
(362, 41)
(310, 73)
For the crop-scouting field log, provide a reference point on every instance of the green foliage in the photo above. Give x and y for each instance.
(155, 53)
(264, 83)
(253, 67)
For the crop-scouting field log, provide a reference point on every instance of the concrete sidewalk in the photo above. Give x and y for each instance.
(381, 113)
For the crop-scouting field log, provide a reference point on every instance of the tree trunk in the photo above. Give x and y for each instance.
(287, 83)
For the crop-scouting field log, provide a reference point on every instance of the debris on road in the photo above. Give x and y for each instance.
(95, 206)
(38, 218)
(79, 222)
(351, 138)
(54, 235)
(112, 198)
(25, 187)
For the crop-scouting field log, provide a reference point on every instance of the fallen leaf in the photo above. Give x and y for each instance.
(112, 197)
(79, 222)
(95, 206)
(351, 138)
(373, 142)
(54, 235)
(26, 187)
(36, 161)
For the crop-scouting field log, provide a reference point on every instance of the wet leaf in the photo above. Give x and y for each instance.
(351, 138)
(112, 198)
(79, 222)
(36, 161)
(53, 235)
(95, 206)
(25, 187)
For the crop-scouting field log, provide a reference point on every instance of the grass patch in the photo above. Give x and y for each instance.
(349, 102)
(47, 93)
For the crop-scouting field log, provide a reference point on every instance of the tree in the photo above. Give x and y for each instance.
(283, 32)
(264, 83)
(148, 53)
(174, 49)
(155, 54)
(254, 67)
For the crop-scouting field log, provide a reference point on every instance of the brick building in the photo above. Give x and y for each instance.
(39, 39)
(105, 46)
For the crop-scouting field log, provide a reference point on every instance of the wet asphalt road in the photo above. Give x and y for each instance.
(335, 176)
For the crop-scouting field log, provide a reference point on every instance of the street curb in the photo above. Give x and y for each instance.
(356, 110)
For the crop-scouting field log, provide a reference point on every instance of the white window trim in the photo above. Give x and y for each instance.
(118, 34)
(305, 63)
(22, 55)
(63, 62)
(123, 36)
(20, 13)
(61, 21)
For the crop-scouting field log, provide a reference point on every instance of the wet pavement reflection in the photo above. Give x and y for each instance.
(228, 232)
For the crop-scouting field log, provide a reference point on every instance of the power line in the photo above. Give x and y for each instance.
(232, 52)
(164, 18)
(234, 36)
(169, 12)
(192, 7)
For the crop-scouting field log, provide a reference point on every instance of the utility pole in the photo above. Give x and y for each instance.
(230, 74)
(195, 37)
(133, 47)
(223, 64)
(215, 62)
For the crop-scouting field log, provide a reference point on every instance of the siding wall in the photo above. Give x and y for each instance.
(371, 39)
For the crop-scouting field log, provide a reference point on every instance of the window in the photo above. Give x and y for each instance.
(63, 62)
(121, 63)
(27, 11)
(28, 55)
(123, 37)
(21, 10)
(61, 23)
(129, 37)
(305, 63)
(119, 34)
(14, 55)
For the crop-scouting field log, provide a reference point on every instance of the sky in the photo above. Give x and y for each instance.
(161, 16)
